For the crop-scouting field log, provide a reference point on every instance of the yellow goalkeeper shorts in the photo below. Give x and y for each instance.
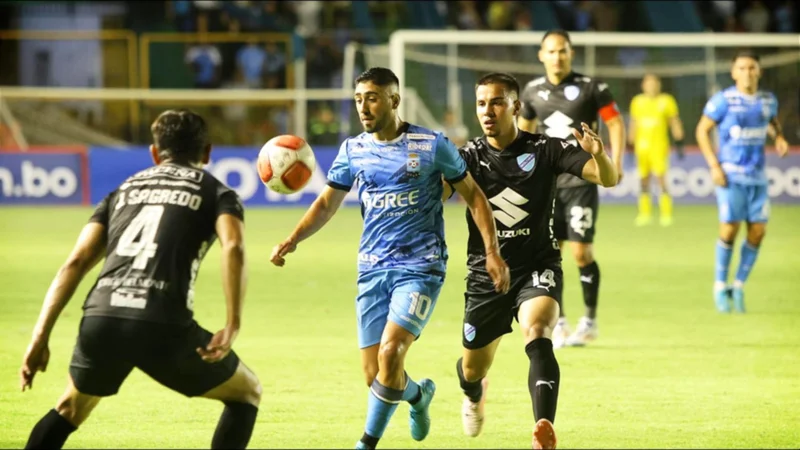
(650, 161)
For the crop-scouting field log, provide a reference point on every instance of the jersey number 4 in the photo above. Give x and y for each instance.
(138, 239)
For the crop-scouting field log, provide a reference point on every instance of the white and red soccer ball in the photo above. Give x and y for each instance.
(286, 163)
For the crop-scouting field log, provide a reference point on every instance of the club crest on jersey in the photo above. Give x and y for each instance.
(571, 92)
(526, 161)
(412, 165)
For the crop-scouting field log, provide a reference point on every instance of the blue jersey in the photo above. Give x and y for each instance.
(742, 122)
(400, 189)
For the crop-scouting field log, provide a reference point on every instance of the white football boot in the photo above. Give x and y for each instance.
(585, 333)
(472, 413)
(561, 333)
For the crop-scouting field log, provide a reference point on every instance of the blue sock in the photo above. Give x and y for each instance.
(382, 404)
(724, 253)
(412, 392)
(746, 262)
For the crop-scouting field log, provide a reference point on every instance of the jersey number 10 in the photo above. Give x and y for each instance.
(138, 239)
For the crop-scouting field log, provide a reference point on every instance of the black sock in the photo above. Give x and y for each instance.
(369, 441)
(590, 280)
(544, 377)
(472, 389)
(51, 431)
(235, 425)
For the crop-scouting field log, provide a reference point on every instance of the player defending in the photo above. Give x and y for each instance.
(153, 232)
(517, 171)
(744, 116)
(653, 113)
(554, 104)
(402, 256)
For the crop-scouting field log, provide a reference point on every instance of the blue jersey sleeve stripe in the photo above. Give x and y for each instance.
(458, 178)
(340, 187)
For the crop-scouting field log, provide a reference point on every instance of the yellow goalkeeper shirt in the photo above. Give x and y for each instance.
(651, 117)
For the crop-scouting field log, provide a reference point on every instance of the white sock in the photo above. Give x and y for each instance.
(719, 285)
(738, 284)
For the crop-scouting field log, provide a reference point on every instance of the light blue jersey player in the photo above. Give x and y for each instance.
(402, 260)
(744, 116)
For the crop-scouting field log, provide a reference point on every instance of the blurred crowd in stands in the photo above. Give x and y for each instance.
(326, 26)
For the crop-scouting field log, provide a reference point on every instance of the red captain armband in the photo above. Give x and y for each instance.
(609, 111)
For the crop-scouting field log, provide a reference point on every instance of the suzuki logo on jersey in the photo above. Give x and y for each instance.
(509, 213)
(737, 132)
(559, 125)
(390, 200)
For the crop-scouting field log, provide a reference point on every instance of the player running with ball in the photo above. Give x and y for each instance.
(403, 256)
(517, 170)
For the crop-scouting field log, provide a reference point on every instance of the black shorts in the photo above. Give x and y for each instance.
(576, 213)
(108, 349)
(488, 314)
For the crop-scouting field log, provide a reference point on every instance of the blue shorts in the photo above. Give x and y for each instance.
(405, 297)
(743, 202)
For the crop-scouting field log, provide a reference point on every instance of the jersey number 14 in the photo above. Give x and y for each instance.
(138, 239)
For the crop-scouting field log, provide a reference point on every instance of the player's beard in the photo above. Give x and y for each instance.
(377, 125)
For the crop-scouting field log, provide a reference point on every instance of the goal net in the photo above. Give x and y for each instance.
(439, 68)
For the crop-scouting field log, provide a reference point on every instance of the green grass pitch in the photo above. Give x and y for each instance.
(668, 370)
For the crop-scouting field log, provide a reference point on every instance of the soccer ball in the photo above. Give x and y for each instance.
(285, 164)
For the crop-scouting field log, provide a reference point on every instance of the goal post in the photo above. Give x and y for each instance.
(439, 65)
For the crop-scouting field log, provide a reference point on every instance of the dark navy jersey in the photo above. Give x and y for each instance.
(160, 224)
(520, 184)
(560, 108)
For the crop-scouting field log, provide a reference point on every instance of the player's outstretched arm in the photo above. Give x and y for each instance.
(600, 169)
(320, 212)
(484, 220)
(230, 230)
(701, 134)
(88, 251)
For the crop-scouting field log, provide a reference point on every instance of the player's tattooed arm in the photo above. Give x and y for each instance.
(320, 212)
(775, 131)
(88, 251)
(701, 134)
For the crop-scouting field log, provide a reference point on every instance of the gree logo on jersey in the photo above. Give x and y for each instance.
(390, 200)
(738, 132)
(509, 213)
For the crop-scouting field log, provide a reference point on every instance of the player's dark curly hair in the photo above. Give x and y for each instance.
(506, 79)
(562, 33)
(180, 134)
(746, 53)
(380, 76)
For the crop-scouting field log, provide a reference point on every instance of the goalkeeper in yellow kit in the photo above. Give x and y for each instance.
(652, 113)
